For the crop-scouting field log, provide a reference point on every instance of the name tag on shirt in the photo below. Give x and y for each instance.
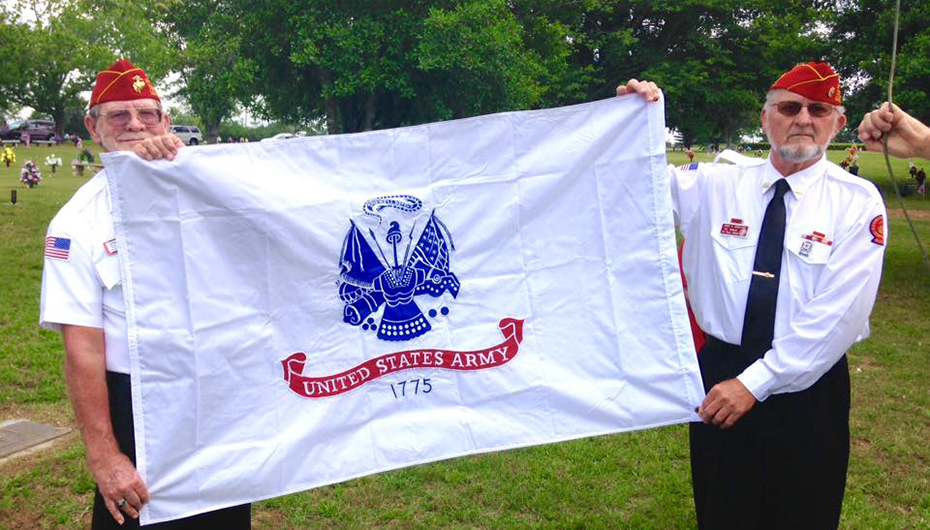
(735, 228)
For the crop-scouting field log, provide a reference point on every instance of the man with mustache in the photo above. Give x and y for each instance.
(783, 261)
(82, 297)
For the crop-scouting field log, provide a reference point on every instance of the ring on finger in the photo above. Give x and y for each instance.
(121, 503)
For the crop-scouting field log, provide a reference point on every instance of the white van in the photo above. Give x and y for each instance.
(188, 134)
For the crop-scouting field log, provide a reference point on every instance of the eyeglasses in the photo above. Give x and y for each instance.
(119, 118)
(793, 108)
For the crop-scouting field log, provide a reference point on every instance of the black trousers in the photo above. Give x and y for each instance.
(783, 465)
(119, 390)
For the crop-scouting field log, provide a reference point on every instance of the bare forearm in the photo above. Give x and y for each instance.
(85, 375)
(120, 485)
(925, 144)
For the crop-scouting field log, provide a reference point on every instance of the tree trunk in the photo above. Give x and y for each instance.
(59, 116)
(213, 130)
(332, 106)
(369, 117)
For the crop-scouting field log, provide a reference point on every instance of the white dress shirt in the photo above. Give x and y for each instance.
(85, 288)
(831, 267)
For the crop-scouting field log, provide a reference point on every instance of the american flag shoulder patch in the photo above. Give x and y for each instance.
(689, 167)
(57, 247)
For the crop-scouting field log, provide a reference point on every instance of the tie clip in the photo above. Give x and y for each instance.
(764, 274)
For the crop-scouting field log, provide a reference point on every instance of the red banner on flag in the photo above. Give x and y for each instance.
(368, 371)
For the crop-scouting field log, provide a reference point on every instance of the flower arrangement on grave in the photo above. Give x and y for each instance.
(30, 175)
(53, 161)
(86, 156)
(7, 156)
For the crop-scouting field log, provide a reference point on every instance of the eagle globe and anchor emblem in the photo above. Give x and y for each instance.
(396, 277)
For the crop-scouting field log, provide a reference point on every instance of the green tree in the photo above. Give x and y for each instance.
(65, 43)
(205, 39)
(362, 65)
(863, 34)
(714, 59)
(131, 29)
(52, 85)
(474, 55)
(11, 66)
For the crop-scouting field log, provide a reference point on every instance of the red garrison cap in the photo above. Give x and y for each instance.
(122, 82)
(815, 81)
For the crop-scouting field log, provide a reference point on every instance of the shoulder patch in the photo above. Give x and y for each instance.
(689, 167)
(57, 247)
(877, 228)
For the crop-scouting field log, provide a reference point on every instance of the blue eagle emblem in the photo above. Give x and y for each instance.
(367, 281)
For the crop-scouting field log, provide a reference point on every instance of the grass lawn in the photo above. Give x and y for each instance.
(633, 480)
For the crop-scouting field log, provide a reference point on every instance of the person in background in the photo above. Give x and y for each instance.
(853, 157)
(921, 178)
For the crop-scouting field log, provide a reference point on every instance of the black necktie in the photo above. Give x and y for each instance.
(759, 323)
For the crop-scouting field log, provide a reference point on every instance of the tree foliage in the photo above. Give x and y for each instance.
(57, 47)
(863, 33)
(52, 74)
(359, 65)
(363, 65)
(205, 39)
(11, 71)
(714, 59)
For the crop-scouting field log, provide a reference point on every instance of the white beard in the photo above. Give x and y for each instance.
(800, 153)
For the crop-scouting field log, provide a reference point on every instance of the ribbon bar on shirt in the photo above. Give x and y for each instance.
(332, 385)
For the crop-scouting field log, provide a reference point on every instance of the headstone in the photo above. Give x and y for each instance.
(16, 435)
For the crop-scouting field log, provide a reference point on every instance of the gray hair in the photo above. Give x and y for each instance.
(772, 94)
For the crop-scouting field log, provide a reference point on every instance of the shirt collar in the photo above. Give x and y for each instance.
(799, 182)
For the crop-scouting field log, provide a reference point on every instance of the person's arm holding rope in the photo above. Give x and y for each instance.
(908, 137)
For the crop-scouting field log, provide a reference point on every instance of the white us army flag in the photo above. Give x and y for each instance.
(308, 311)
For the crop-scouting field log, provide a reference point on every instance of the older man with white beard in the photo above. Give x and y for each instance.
(82, 297)
(783, 260)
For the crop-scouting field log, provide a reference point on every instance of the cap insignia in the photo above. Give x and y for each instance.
(138, 83)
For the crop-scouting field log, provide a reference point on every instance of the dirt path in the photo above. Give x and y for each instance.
(915, 214)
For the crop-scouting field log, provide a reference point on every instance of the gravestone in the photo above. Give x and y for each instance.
(16, 435)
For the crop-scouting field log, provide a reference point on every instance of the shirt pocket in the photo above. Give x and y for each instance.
(107, 267)
(807, 250)
(734, 255)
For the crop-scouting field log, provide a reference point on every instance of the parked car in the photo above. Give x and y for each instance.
(36, 129)
(188, 134)
(280, 136)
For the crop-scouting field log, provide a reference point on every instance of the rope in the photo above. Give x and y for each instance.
(894, 183)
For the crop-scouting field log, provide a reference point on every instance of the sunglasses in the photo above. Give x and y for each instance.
(119, 118)
(793, 108)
